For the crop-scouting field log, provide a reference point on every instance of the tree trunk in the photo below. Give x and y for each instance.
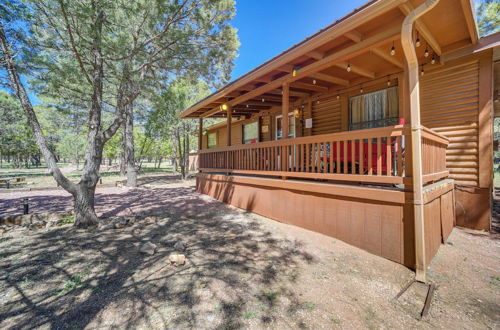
(123, 160)
(85, 215)
(129, 147)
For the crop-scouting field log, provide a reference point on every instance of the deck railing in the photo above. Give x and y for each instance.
(374, 155)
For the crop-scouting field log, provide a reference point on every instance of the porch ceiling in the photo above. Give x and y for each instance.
(362, 40)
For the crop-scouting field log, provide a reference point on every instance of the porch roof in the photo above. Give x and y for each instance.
(361, 40)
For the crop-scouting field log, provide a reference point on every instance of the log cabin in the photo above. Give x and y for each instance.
(376, 130)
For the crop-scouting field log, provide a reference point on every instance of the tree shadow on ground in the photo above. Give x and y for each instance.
(69, 278)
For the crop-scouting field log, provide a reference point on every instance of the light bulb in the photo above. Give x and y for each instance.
(433, 60)
(393, 51)
(348, 67)
(388, 83)
(361, 90)
(314, 81)
(247, 105)
(417, 43)
(426, 54)
(422, 72)
(263, 100)
(338, 96)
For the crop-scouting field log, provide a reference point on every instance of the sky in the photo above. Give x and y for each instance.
(268, 27)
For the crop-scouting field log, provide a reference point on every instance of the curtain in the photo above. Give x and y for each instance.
(375, 109)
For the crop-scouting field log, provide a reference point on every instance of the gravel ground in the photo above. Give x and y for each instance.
(242, 271)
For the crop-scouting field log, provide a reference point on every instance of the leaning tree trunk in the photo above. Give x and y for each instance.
(129, 148)
(123, 161)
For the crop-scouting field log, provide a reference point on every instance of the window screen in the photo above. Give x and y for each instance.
(251, 133)
(212, 140)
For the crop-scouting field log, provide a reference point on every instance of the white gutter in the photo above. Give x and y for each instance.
(416, 134)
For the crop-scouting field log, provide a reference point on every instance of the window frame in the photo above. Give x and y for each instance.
(290, 115)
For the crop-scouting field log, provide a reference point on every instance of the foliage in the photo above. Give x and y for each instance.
(488, 17)
(16, 139)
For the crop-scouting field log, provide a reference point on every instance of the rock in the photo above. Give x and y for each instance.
(2, 231)
(136, 232)
(149, 219)
(105, 226)
(179, 246)
(148, 248)
(131, 221)
(177, 259)
(50, 224)
(118, 225)
(37, 225)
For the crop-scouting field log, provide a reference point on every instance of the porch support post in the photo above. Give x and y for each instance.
(200, 133)
(285, 105)
(416, 135)
(229, 120)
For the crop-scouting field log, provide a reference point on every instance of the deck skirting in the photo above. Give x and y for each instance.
(378, 220)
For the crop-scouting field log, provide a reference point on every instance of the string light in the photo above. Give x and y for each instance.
(348, 67)
(393, 49)
(422, 72)
(314, 81)
(361, 89)
(433, 60)
(426, 53)
(338, 96)
(417, 42)
(247, 105)
(263, 100)
(388, 81)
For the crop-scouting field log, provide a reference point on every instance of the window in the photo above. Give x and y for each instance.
(251, 133)
(212, 140)
(291, 126)
(376, 109)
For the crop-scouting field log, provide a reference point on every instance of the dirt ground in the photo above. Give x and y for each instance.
(242, 271)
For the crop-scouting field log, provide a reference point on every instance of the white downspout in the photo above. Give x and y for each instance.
(416, 133)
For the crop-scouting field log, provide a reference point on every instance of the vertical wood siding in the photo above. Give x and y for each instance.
(449, 105)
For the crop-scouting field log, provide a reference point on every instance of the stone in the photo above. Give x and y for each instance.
(51, 223)
(105, 226)
(177, 259)
(118, 225)
(179, 246)
(3, 231)
(148, 248)
(149, 219)
(37, 225)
